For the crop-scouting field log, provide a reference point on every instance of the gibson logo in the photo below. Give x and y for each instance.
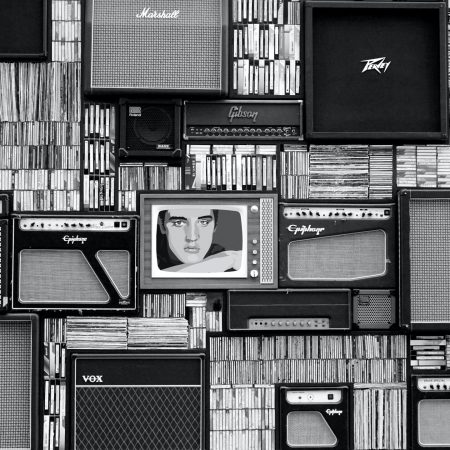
(236, 112)
(73, 239)
(377, 64)
(148, 14)
(303, 229)
(332, 412)
(93, 378)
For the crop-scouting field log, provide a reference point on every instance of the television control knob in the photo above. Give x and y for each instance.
(254, 209)
(254, 241)
(254, 273)
(255, 252)
(254, 262)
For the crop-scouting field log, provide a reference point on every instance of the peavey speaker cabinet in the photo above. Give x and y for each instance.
(156, 47)
(389, 84)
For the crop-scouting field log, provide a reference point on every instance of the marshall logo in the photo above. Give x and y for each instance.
(147, 13)
(93, 378)
(236, 112)
(304, 229)
(73, 239)
(332, 412)
(377, 64)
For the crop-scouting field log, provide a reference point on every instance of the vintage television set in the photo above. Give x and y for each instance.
(209, 240)
(158, 47)
(70, 262)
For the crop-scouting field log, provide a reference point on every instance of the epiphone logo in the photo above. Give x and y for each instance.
(236, 112)
(304, 229)
(93, 378)
(73, 239)
(147, 13)
(332, 412)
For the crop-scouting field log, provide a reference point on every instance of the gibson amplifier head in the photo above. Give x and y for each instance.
(425, 256)
(158, 47)
(350, 246)
(159, 404)
(376, 89)
(208, 241)
(314, 416)
(249, 119)
(149, 125)
(19, 374)
(74, 262)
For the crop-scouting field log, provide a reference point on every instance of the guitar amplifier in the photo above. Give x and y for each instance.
(166, 46)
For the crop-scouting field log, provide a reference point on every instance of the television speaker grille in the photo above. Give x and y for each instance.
(182, 52)
(267, 232)
(429, 255)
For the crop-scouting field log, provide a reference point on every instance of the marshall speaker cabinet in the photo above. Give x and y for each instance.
(389, 84)
(156, 47)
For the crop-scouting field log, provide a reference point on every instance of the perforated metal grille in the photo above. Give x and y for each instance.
(433, 415)
(266, 239)
(156, 53)
(138, 418)
(309, 429)
(62, 276)
(371, 310)
(15, 384)
(117, 266)
(429, 246)
(341, 257)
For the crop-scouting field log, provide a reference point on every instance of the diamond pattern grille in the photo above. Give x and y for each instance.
(138, 418)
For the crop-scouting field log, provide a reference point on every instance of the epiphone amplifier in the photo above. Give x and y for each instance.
(149, 125)
(430, 412)
(376, 88)
(313, 416)
(293, 310)
(138, 401)
(156, 47)
(230, 119)
(425, 256)
(348, 246)
(19, 375)
(74, 262)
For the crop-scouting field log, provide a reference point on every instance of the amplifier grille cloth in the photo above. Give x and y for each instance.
(117, 266)
(429, 246)
(15, 384)
(341, 257)
(62, 276)
(266, 239)
(138, 418)
(309, 429)
(150, 53)
(433, 429)
(373, 309)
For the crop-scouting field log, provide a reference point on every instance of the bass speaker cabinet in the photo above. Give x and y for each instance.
(16, 17)
(376, 71)
(158, 47)
(19, 375)
(137, 401)
(425, 258)
(149, 126)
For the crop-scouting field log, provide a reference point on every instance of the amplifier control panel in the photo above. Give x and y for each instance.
(433, 384)
(289, 323)
(72, 223)
(337, 212)
(252, 132)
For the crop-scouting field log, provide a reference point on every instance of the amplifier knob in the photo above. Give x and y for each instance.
(233, 130)
(254, 273)
(445, 387)
(207, 130)
(240, 130)
(258, 130)
(438, 387)
(431, 386)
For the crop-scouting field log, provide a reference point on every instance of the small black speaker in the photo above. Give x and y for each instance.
(23, 29)
(376, 71)
(19, 375)
(149, 126)
(374, 309)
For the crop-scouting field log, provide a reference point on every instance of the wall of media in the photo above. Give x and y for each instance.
(216, 261)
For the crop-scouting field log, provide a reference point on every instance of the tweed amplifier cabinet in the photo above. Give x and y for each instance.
(19, 374)
(425, 258)
(157, 47)
(137, 401)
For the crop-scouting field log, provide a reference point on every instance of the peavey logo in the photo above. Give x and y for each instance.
(332, 412)
(236, 112)
(377, 64)
(93, 378)
(73, 239)
(304, 229)
(147, 13)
